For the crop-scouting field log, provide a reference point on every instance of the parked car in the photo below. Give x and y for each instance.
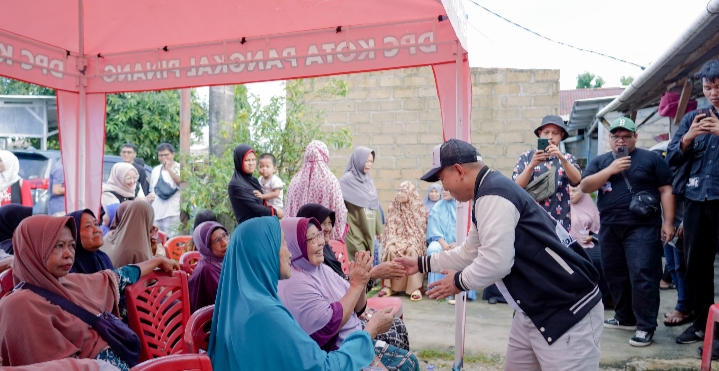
(35, 167)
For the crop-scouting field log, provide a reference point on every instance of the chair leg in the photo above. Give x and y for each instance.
(709, 338)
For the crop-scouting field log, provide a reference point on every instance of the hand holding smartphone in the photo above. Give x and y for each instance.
(542, 144)
(622, 151)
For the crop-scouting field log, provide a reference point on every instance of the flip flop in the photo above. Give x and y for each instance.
(416, 293)
(386, 291)
(682, 320)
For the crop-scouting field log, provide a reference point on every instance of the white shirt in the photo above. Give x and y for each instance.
(171, 206)
(269, 186)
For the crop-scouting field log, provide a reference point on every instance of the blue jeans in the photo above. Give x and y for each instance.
(432, 277)
(677, 267)
(632, 264)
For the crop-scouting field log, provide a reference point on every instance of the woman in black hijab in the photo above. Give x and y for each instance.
(10, 217)
(243, 185)
(88, 257)
(322, 213)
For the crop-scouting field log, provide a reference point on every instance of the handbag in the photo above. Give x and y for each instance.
(643, 203)
(162, 189)
(543, 186)
(121, 339)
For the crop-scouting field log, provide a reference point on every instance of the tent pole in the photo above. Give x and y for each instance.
(460, 308)
(82, 116)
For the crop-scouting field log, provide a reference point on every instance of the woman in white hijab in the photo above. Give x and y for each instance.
(13, 190)
(121, 186)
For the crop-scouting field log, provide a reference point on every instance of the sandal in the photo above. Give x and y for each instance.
(666, 286)
(416, 296)
(386, 291)
(674, 320)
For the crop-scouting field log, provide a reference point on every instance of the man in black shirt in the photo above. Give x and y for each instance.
(631, 243)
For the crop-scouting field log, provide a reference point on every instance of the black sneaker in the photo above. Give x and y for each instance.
(690, 335)
(715, 351)
(641, 338)
(614, 323)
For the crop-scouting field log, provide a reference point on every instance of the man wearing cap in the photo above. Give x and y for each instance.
(534, 163)
(541, 271)
(631, 241)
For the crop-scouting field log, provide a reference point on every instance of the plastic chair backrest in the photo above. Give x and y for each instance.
(177, 362)
(189, 260)
(6, 283)
(163, 237)
(158, 308)
(197, 331)
(340, 250)
(175, 246)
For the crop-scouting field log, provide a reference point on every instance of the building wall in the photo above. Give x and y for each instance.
(397, 114)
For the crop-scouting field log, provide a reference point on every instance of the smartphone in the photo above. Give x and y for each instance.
(542, 144)
(705, 111)
(622, 152)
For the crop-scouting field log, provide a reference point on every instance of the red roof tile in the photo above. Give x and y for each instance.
(567, 97)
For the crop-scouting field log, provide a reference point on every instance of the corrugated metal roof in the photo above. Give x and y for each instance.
(567, 97)
(698, 44)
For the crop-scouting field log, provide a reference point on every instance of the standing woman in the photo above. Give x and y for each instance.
(88, 257)
(362, 203)
(532, 164)
(442, 234)
(129, 243)
(243, 185)
(405, 235)
(121, 186)
(211, 240)
(316, 184)
(434, 194)
(13, 190)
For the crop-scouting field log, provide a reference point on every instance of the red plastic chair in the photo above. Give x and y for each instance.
(340, 250)
(189, 260)
(158, 308)
(197, 331)
(178, 362)
(175, 247)
(6, 283)
(709, 337)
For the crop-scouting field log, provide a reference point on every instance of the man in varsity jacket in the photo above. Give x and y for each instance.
(542, 272)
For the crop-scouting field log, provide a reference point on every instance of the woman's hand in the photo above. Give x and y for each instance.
(360, 268)
(168, 265)
(380, 322)
(6, 263)
(387, 271)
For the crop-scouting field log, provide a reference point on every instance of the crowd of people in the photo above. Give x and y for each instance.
(537, 241)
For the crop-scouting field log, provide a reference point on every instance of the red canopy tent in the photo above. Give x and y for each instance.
(86, 49)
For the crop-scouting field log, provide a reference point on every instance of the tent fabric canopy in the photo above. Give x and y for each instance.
(88, 49)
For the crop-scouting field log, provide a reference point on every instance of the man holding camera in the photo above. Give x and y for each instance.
(632, 183)
(533, 165)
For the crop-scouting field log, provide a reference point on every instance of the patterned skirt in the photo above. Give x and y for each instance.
(396, 335)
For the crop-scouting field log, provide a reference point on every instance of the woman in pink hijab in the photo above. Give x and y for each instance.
(316, 184)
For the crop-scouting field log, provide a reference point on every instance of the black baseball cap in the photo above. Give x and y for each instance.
(451, 152)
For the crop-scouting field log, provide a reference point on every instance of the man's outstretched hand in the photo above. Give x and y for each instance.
(444, 287)
(409, 264)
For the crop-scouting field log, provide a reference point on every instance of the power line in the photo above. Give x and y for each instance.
(480, 32)
(555, 41)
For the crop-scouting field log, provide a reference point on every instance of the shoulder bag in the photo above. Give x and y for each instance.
(162, 189)
(543, 186)
(643, 203)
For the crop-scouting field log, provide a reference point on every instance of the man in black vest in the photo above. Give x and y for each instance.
(541, 271)
(631, 242)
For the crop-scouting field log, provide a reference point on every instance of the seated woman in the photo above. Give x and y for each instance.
(88, 257)
(33, 330)
(397, 335)
(108, 218)
(434, 194)
(325, 305)
(211, 240)
(121, 186)
(10, 217)
(442, 233)
(266, 336)
(584, 215)
(315, 183)
(404, 235)
(13, 189)
(243, 185)
(129, 242)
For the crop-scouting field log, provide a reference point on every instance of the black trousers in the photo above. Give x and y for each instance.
(701, 242)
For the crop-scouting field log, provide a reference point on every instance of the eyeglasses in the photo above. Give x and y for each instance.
(224, 237)
(625, 138)
(131, 178)
(327, 225)
(318, 238)
(163, 155)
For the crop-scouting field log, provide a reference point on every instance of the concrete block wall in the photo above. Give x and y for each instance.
(397, 114)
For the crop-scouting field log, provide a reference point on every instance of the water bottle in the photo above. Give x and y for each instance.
(430, 368)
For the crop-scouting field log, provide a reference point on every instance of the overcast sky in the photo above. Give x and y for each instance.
(638, 31)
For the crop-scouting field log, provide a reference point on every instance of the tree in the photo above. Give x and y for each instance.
(584, 81)
(148, 119)
(626, 80)
(263, 128)
(14, 87)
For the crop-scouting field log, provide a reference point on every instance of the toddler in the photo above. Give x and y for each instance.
(271, 184)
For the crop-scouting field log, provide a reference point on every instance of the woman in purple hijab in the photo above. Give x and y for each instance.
(325, 305)
(211, 240)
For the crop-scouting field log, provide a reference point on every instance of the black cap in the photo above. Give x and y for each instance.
(553, 120)
(451, 152)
